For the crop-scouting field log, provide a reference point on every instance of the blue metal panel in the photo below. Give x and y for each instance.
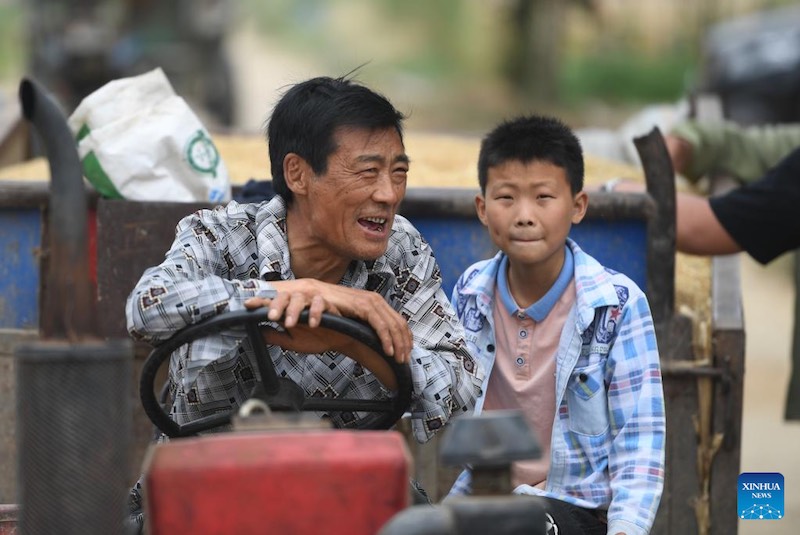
(20, 239)
(458, 242)
(620, 245)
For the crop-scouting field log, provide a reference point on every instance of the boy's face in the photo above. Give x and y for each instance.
(529, 209)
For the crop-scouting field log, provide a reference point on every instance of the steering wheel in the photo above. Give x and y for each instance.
(280, 393)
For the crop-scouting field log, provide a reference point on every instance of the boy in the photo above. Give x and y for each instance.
(562, 338)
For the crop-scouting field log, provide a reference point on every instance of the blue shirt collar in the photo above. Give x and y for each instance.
(541, 308)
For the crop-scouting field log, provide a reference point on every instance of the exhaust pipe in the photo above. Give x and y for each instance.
(73, 389)
(68, 308)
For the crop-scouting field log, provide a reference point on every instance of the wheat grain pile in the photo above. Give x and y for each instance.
(437, 160)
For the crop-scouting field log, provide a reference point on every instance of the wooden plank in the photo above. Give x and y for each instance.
(131, 237)
(728, 336)
(660, 180)
(676, 513)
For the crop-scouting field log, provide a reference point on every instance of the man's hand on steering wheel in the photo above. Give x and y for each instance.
(318, 297)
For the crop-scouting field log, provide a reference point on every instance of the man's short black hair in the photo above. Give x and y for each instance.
(532, 138)
(306, 117)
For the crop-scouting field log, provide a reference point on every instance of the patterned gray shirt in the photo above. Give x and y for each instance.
(223, 256)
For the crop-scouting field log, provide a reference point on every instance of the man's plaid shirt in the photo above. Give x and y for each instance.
(222, 257)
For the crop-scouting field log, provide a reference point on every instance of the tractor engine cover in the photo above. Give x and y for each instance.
(292, 482)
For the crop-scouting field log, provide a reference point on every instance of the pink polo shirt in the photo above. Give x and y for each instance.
(523, 376)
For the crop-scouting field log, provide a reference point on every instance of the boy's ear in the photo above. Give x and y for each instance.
(297, 173)
(579, 204)
(480, 207)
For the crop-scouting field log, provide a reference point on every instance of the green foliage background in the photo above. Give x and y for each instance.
(450, 57)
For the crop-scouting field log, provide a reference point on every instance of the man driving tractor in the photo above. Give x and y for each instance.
(329, 241)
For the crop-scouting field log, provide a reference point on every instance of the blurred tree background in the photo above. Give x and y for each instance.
(454, 65)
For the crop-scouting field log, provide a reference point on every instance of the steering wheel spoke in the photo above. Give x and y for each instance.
(269, 378)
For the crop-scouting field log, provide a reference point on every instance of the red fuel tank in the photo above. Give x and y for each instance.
(293, 482)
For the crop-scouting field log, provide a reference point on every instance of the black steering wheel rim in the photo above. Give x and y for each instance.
(383, 413)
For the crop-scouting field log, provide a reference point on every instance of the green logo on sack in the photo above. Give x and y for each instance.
(202, 154)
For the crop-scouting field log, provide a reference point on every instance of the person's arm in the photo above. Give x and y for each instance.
(447, 379)
(697, 229)
(744, 153)
(194, 281)
(637, 417)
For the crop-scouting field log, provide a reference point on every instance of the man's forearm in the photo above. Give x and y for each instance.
(162, 303)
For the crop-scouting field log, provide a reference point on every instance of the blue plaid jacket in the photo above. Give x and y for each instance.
(607, 446)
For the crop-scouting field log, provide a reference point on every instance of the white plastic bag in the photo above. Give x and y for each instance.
(140, 141)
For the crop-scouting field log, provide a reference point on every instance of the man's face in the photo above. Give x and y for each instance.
(354, 203)
(529, 209)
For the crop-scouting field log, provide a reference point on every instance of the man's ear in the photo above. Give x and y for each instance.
(480, 207)
(580, 202)
(297, 173)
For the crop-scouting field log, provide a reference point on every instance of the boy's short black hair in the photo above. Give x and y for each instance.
(306, 117)
(532, 138)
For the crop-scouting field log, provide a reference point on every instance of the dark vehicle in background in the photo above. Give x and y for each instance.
(753, 63)
(76, 46)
